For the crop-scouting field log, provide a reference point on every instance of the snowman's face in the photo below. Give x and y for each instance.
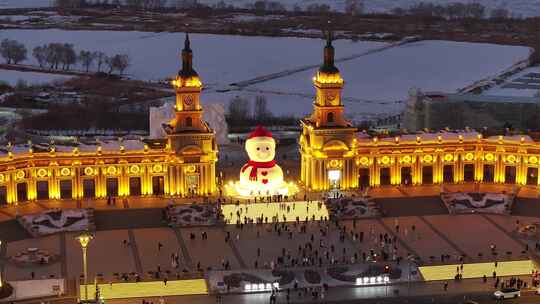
(261, 150)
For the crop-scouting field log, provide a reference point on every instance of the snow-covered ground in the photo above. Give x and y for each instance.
(219, 59)
(525, 84)
(517, 7)
(378, 75)
(12, 77)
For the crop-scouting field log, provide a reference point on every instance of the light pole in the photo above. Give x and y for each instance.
(84, 239)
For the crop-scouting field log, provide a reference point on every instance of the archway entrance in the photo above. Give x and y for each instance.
(66, 191)
(42, 190)
(22, 192)
(385, 177)
(532, 176)
(89, 188)
(427, 175)
(489, 173)
(3, 195)
(510, 174)
(112, 186)
(363, 178)
(135, 185)
(448, 173)
(468, 172)
(158, 185)
(406, 176)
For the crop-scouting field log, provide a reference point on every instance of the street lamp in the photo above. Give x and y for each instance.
(84, 239)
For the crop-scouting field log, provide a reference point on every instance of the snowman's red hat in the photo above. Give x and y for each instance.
(260, 131)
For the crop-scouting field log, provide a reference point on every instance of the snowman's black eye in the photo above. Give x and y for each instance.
(267, 148)
(258, 149)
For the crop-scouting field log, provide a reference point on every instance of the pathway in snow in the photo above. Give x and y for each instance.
(288, 72)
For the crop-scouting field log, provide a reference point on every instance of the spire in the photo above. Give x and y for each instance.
(328, 64)
(187, 60)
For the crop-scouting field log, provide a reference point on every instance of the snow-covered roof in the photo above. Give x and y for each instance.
(456, 97)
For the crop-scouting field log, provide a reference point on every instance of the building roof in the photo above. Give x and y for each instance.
(458, 97)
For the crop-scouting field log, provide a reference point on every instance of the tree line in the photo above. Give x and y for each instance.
(62, 56)
(453, 10)
(456, 10)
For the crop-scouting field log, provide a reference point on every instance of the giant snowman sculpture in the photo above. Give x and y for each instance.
(261, 175)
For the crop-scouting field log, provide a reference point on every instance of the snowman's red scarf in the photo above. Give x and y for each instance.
(257, 165)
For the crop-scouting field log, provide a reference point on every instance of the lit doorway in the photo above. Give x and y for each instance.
(112, 186)
(158, 185)
(334, 177)
(406, 176)
(89, 188)
(532, 176)
(135, 186)
(489, 173)
(363, 181)
(22, 192)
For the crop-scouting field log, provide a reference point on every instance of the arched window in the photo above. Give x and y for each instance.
(330, 117)
(189, 122)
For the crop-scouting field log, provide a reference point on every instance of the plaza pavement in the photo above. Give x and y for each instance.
(139, 222)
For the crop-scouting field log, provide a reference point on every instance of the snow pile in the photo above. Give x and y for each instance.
(58, 220)
(460, 202)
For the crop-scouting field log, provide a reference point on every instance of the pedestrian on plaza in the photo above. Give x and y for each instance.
(445, 286)
(165, 281)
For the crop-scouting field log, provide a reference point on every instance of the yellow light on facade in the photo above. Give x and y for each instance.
(448, 157)
(489, 157)
(111, 170)
(65, 171)
(324, 78)
(511, 158)
(533, 159)
(428, 158)
(190, 169)
(157, 168)
(41, 173)
(20, 174)
(89, 171)
(2, 178)
(364, 160)
(135, 169)
(469, 156)
(406, 159)
(385, 160)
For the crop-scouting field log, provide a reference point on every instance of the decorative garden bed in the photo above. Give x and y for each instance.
(351, 208)
(58, 220)
(192, 215)
(461, 202)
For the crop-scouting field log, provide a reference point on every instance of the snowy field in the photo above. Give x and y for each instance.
(524, 84)
(524, 8)
(378, 76)
(219, 59)
(12, 77)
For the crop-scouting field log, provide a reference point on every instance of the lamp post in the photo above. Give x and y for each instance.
(84, 239)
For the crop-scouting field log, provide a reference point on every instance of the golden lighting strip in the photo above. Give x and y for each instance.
(148, 289)
(477, 270)
(271, 209)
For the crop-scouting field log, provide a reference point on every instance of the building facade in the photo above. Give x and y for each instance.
(181, 164)
(336, 155)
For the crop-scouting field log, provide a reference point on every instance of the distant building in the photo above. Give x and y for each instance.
(436, 111)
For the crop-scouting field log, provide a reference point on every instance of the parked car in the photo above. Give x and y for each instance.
(507, 293)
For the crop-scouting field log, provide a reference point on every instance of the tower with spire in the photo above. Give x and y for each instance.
(328, 140)
(189, 137)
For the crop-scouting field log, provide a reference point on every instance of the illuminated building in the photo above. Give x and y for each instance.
(336, 155)
(183, 164)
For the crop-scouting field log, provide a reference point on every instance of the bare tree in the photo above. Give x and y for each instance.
(260, 109)
(354, 7)
(500, 13)
(100, 59)
(121, 62)
(12, 51)
(68, 56)
(40, 53)
(86, 58)
(238, 109)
